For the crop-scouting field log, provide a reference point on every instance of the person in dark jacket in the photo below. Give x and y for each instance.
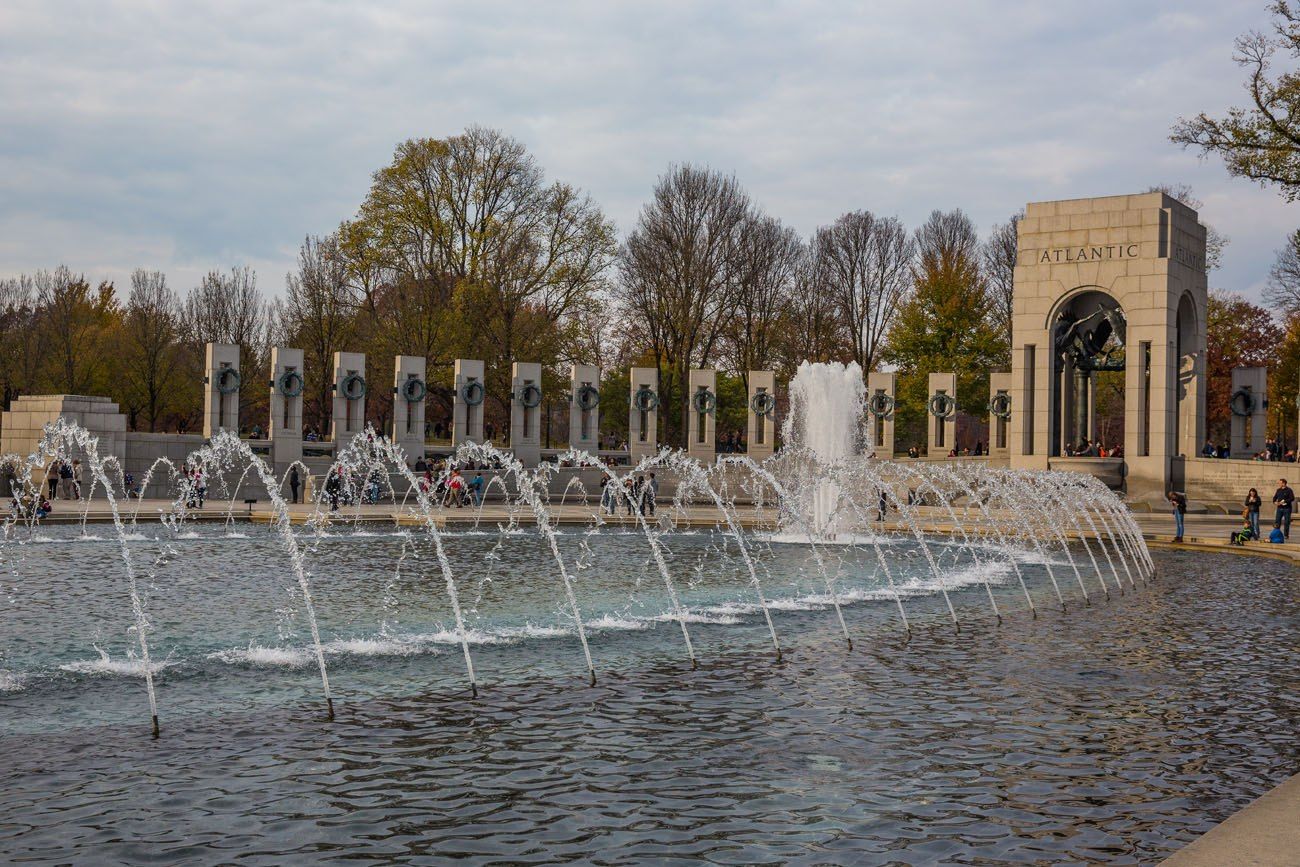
(1284, 500)
(1178, 501)
(333, 488)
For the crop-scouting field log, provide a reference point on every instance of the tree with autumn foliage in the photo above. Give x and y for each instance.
(1284, 385)
(1238, 334)
(944, 325)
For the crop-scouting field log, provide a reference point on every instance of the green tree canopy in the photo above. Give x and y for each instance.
(945, 325)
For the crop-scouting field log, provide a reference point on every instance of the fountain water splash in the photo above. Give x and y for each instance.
(821, 486)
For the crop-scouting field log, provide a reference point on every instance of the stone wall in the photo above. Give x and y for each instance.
(1224, 483)
(21, 427)
(143, 449)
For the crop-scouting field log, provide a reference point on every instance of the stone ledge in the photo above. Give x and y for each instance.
(1264, 832)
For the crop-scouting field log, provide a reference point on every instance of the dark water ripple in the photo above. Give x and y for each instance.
(1113, 734)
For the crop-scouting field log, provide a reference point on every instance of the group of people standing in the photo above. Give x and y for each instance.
(64, 480)
(450, 488)
(639, 494)
(1283, 503)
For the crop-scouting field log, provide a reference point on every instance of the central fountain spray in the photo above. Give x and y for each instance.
(826, 419)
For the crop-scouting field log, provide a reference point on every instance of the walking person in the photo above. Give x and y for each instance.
(1284, 499)
(476, 488)
(652, 494)
(1253, 502)
(52, 479)
(294, 482)
(1178, 500)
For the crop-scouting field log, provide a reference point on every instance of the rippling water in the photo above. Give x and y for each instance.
(1110, 733)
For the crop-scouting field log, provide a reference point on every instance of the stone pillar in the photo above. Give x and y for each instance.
(349, 416)
(1249, 408)
(221, 389)
(1140, 259)
(760, 435)
(285, 424)
(880, 412)
(526, 412)
(643, 413)
(467, 403)
(701, 442)
(409, 390)
(584, 408)
(942, 429)
(1000, 409)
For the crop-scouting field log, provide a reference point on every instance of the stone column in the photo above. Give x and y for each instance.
(409, 390)
(1000, 407)
(643, 413)
(349, 416)
(584, 408)
(285, 424)
(526, 412)
(880, 411)
(760, 435)
(1249, 408)
(221, 389)
(701, 442)
(942, 432)
(467, 403)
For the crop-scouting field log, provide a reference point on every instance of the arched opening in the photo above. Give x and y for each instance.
(1088, 361)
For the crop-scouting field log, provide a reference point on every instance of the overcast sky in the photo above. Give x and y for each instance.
(187, 136)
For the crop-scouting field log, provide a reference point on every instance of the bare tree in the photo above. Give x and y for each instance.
(999, 257)
(813, 329)
(770, 256)
(679, 268)
(229, 308)
(866, 261)
(318, 314)
(1283, 288)
(152, 329)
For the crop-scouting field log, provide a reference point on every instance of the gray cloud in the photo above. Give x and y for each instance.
(192, 136)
